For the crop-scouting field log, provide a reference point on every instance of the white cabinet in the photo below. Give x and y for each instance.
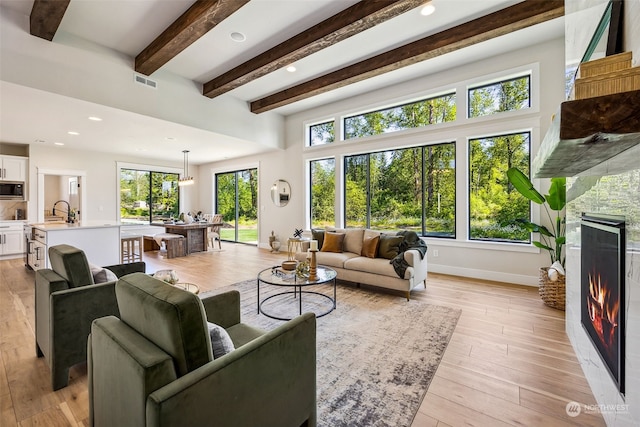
(11, 238)
(13, 168)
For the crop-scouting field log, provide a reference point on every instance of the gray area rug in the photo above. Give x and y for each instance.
(377, 352)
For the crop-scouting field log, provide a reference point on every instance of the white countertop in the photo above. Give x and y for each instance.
(57, 226)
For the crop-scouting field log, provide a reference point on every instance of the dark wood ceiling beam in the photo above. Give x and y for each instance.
(351, 21)
(505, 21)
(201, 17)
(46, 16)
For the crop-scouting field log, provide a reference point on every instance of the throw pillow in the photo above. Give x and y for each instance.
(318, 234)
(370, 246)
(389, 246)
(332, 242)
(221, 343)
(101, 274)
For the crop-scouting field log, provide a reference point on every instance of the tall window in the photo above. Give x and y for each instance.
(405, 189)
(323, 192)
(237, 202)
(322, 133)
(148, 196)
(494, 204)
(507, 95)
(422, 113)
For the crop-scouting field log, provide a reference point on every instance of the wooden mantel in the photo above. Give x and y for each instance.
(587, 132)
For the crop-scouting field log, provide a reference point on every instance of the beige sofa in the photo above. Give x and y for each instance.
(352, 266)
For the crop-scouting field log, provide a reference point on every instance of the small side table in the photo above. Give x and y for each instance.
(188, 287)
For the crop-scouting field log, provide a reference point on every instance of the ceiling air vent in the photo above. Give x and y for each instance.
(145, 81)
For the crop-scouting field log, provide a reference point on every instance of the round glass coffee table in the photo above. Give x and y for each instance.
(287, 279)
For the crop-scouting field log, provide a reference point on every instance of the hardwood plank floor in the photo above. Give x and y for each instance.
(509, 361)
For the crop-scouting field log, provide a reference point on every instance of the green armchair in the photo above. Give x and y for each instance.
(154, 366)
(66, 302)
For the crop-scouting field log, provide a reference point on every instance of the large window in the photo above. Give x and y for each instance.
(237, 202)
(406, 189)
(422, 113)
(323, 192)
(507, 95)
(494, 204)
(148, 196)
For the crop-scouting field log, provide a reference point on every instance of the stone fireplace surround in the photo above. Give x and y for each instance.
(617, 192)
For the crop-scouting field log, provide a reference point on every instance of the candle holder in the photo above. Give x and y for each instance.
(313, 266)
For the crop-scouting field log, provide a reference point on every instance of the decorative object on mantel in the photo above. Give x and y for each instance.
(606, 76)
(185, 179)
(274, 243)
(552, 292)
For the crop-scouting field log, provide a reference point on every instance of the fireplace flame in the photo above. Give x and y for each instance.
(603, 310)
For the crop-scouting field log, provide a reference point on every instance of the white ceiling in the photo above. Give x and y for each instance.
(128, 26)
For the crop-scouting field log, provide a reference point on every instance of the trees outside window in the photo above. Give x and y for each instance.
(237, 202)
(148, 196)
(322, 133)
(494, 204)
(440, 109)
(323, 192)
(507, 95)
(407, 189)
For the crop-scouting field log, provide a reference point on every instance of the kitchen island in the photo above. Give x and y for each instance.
(99, 240)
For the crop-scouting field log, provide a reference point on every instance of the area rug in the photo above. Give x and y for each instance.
(377, 352)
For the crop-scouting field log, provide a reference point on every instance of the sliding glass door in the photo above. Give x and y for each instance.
(237, 202)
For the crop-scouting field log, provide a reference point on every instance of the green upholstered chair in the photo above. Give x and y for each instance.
(154, 366)
(66, 302)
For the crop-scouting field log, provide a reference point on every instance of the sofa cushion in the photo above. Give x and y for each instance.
(318, 234)
(332, 242)
(221, 342)
(171, 318)
(333, 259)
(352, 239)
(377, 266)
(389, 246)
(370, 246)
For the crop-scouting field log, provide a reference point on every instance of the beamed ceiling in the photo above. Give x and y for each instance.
(340, 48)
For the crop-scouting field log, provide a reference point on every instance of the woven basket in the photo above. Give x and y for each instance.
(553, 294)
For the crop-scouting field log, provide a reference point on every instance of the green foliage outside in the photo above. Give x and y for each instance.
(147, 196)
(322, 133)
(246, 198)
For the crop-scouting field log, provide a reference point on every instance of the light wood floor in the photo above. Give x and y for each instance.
(509, 361)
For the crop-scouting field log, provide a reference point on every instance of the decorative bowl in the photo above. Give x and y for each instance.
(289, 265)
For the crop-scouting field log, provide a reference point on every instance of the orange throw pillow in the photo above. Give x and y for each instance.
(370, 246)
(332, 242)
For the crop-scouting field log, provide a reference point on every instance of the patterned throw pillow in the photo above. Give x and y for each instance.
(370, 246)
(101, 274)
(221, 342)
(332, 242)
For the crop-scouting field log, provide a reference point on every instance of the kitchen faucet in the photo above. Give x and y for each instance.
(68, 209)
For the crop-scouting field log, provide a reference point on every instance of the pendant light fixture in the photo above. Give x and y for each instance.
(186, 179)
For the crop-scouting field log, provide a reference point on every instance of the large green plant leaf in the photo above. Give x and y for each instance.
(557, 197)
(524, 186)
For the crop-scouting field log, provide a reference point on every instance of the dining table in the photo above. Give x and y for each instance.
(195, 234)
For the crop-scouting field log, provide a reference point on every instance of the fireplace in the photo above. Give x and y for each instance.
(602, 296)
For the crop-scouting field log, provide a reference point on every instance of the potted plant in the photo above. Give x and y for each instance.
(552, 280)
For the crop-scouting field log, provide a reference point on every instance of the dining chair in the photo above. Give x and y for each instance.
(214, 230)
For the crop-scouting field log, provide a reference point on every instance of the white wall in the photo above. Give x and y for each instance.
(101, 179)
(510, 263)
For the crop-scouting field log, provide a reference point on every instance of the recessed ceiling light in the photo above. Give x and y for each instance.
(237, 37)
(58, 143)
(95, 119)
(291, 69)
(170, 138)
(40, 141)
(72, 132)
(427, 9)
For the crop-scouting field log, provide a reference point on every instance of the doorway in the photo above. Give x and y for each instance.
(237, 202)
(61, 184)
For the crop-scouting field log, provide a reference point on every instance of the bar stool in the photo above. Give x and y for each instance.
(129, 251)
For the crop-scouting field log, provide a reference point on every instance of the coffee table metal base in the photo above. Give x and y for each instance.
(299, 293)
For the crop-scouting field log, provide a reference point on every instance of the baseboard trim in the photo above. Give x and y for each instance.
(518, 279)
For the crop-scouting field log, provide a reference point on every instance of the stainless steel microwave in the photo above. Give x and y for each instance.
(11, 190)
